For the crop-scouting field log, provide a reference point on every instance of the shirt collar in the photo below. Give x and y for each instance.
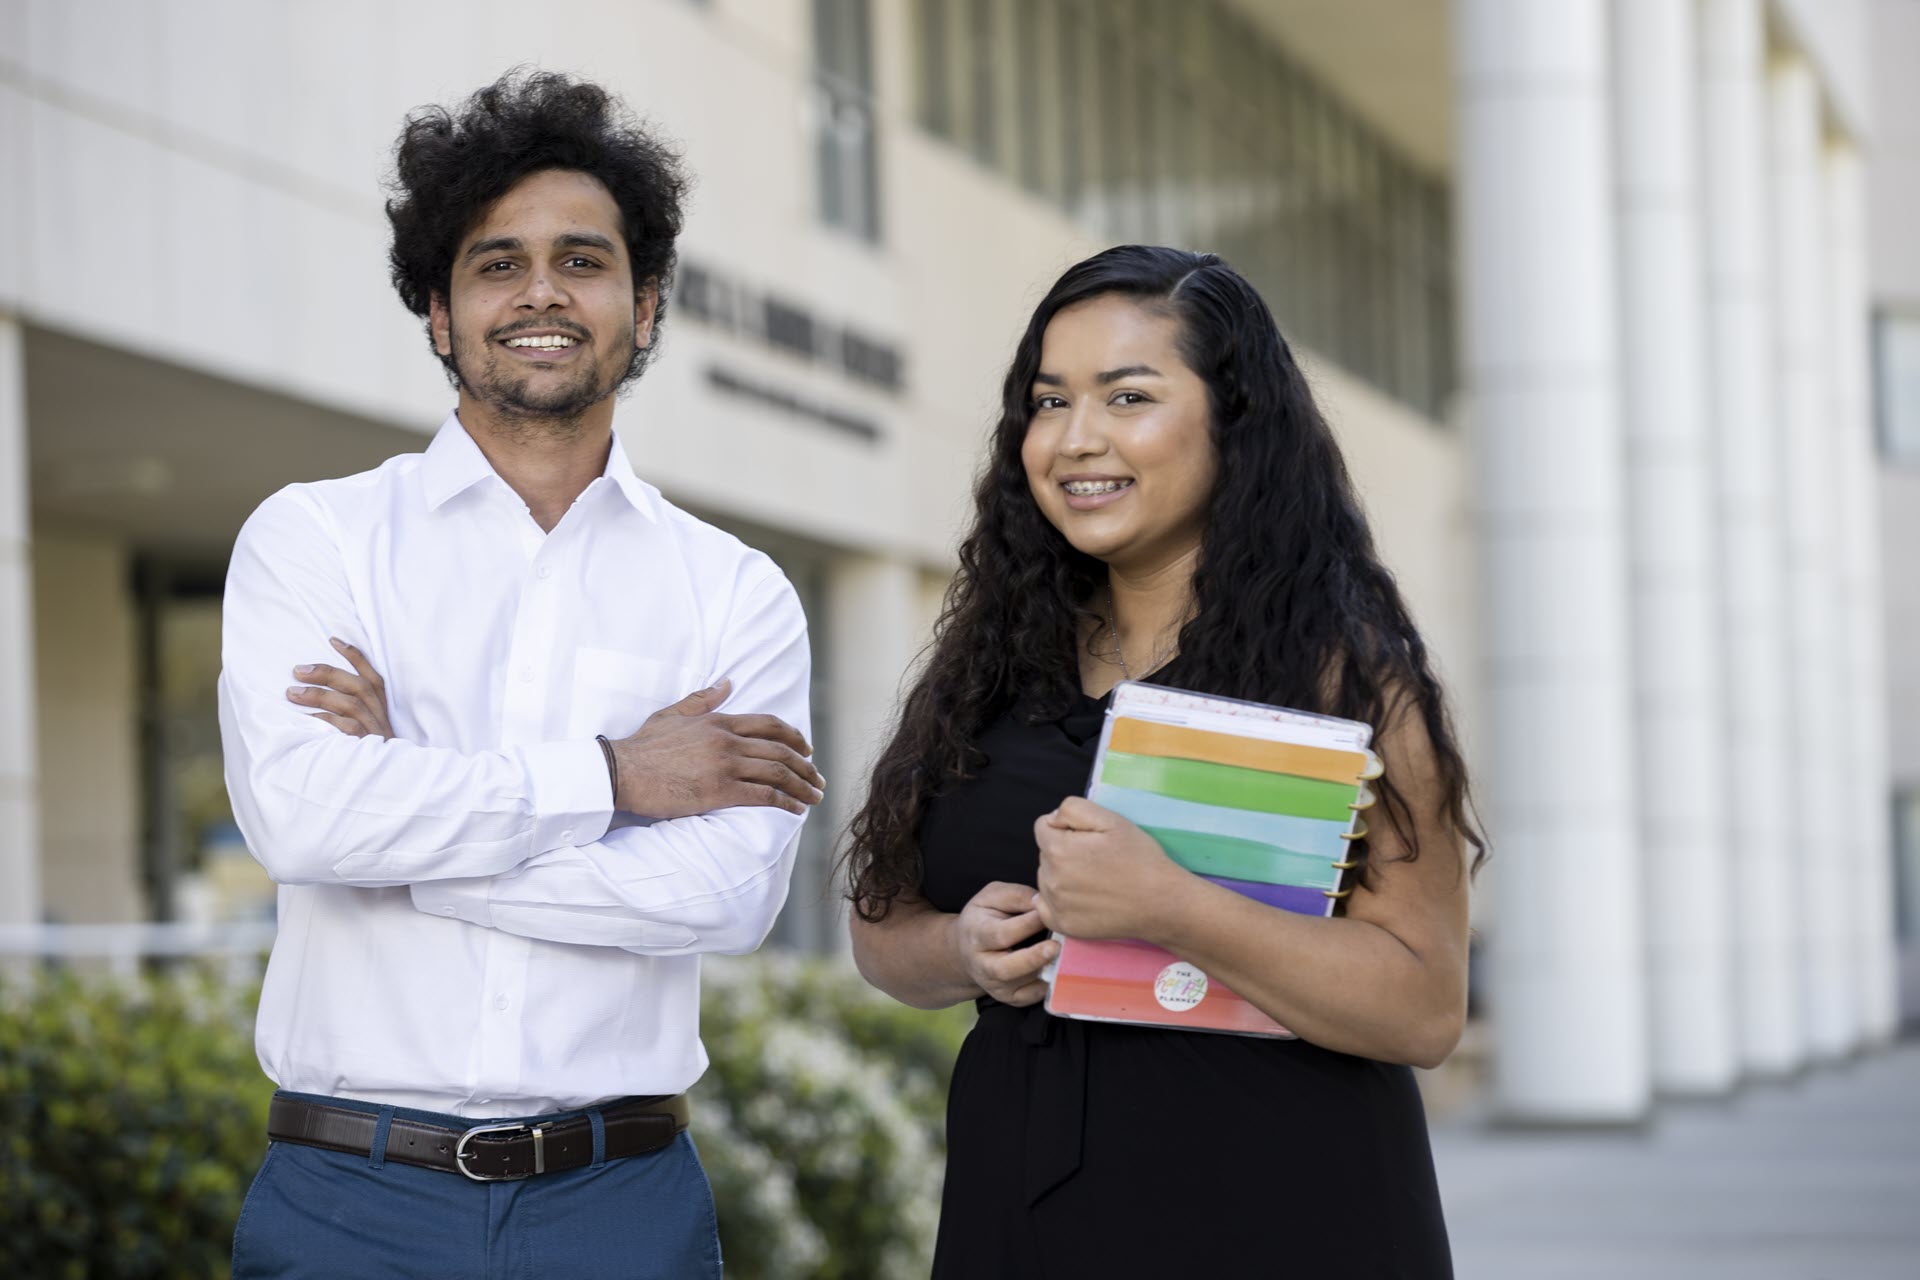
(644, 497)
(454, 464)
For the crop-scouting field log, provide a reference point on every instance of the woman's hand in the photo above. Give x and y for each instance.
(1101, 876)
(354, 702)
(987, 937)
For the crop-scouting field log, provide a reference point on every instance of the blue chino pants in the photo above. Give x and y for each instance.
(316, 1213)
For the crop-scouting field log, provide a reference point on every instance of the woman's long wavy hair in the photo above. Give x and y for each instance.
(1291, 605)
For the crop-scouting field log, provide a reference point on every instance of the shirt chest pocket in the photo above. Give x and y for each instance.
(615, 691)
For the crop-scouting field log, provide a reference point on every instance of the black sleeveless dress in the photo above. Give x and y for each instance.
(1089, 1149)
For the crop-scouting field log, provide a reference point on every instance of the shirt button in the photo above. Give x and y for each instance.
(544, 571)
(567, 835)
(500, 1002)
(526, 675)
(446, 911)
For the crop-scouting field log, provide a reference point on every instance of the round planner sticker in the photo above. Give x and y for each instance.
(1180, 986)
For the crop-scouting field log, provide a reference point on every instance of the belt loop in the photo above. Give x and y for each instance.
(599, 1124)
(377, 1154)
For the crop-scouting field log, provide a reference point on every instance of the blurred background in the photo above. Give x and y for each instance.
(1613, 304)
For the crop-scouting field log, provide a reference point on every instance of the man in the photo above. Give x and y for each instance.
(504, 827)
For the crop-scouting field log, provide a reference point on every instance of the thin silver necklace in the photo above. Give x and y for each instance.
(1119, 656)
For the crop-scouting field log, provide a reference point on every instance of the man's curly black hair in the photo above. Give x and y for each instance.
(450, 166)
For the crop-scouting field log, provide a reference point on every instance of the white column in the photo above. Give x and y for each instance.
(873, 635)
(1870, 924)
(1801, 320)
(1672, 491)
(1759, 812)
(19, 772)
(1542, 370)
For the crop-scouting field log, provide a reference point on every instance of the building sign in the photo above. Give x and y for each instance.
(713, 299)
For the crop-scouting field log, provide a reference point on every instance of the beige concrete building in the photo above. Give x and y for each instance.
(1583, 285)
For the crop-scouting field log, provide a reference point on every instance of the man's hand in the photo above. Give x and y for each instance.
(687, 759)
(354, 702)
(684, 760)
(987, 935)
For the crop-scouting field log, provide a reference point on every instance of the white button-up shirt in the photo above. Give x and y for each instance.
(465, 924)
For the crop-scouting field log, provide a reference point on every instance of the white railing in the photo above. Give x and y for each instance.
(123, 946)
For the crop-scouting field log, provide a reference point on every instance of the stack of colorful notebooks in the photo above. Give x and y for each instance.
(1263, 800)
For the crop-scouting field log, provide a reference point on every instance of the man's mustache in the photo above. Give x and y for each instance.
(529, 326)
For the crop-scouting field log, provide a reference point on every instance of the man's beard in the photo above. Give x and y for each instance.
(557, 402)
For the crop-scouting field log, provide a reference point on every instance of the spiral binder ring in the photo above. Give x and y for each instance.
(1360, 833)
(1365, 800)
(1345, 866)
(1376, 767)
(1339, 894)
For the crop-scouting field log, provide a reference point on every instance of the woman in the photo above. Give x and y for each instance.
(1164, 501)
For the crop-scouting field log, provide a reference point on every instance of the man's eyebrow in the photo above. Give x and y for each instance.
(494, 244)
(585, 240)
(512, 244)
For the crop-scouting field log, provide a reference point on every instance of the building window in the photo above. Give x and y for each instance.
(844, 116)
(983, 88)
(1033, 104)
(1186, 125)
(1897, 362)
(1906, 865)
(935, 69)
(1068, 54)
(193, 860)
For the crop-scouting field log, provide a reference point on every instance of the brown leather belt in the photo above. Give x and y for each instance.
(484, 1152)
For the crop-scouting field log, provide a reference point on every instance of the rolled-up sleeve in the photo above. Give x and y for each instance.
(710, 883)
(320, 807)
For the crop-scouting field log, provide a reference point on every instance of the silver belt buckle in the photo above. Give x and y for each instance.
(460, 1152)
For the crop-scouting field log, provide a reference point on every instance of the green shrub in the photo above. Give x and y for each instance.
(821, 1120)
(131, 1121)
(132, 1116)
